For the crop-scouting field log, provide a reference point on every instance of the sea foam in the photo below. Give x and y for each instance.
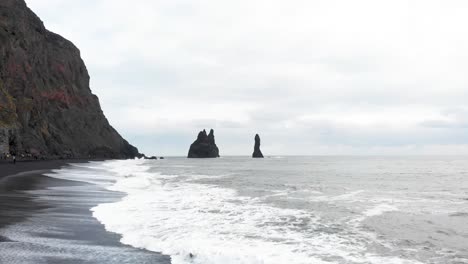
(203, 223)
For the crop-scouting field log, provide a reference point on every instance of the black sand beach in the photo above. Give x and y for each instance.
(47, 220)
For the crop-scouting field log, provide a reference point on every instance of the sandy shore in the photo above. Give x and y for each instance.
(47, 220)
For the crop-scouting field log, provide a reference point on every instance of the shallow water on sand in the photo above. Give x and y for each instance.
(50, 223)
(289, 209)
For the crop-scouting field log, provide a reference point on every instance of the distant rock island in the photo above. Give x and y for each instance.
(204, 146)
(47, 109)
(257, 152)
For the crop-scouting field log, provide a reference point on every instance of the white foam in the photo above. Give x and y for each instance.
(347, 197)
(180, 221)
(178, 217)
(380, 209)
(102, 173)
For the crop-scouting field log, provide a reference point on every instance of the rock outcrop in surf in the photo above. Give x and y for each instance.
(204, 146)
(46, 105)
(257, 152)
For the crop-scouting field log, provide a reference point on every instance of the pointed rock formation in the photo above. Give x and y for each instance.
(204, 146)
(257, 152)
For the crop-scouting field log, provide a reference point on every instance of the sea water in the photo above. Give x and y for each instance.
(288, 209)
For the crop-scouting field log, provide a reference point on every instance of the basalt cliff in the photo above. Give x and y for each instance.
(47, 108)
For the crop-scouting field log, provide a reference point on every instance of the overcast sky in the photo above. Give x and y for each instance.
(311, 77)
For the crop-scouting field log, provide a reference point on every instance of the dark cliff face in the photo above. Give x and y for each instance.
(257, 152)
(204, 146)
(46, 105)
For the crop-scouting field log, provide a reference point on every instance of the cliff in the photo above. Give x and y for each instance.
(204, 146)
(46, 105)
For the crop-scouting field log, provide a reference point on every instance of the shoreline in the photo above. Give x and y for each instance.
(7, 168)
(48, 220)
(23, 176)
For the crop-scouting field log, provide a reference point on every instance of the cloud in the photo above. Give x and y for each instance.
(313, 77)
(452, 118)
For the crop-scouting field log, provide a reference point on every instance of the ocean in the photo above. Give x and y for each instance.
(287, 209)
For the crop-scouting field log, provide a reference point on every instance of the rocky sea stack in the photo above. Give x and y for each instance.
(257, 152)
(47, 108)
(204, 146)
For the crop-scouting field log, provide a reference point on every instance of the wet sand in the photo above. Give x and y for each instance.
(47, 220)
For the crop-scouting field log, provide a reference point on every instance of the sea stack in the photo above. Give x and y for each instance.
(204, 146)
(257, 152)
(47, 108)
